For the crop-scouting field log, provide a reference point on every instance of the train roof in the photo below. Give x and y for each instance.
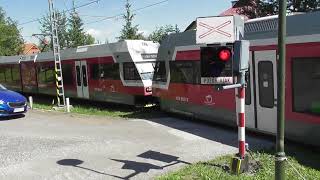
(9, 59)
(256, 29)
(122, 51)
(297, 25)
(16, 59)
(267, 27)
(119, 50)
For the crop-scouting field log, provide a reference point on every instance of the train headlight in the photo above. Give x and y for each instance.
(148, 89)
(1, 102)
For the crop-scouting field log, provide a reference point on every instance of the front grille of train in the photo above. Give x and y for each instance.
(16, 104)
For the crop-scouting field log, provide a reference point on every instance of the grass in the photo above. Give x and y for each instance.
(99, 108)
(306, 162)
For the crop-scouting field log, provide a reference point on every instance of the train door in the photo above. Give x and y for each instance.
(82, 79)
(249, 100)
(266, 90)
(249, 103)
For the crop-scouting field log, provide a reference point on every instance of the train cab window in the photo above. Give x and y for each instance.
(130, 71)
(306, 85)
(185, 72)
(266, 84)
(67, 74)
(160, 73)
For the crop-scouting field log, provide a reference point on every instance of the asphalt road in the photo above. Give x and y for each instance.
(53, 145)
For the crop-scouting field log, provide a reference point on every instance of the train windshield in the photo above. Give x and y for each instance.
(146, 70)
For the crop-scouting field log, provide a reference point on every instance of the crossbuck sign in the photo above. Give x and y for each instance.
(217, 30)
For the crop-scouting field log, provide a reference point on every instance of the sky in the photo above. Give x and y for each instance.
(180, 12)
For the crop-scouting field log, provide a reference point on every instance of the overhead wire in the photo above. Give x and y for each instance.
(121, 14)
(68, 10)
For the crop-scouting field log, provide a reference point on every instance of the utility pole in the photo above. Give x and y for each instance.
(56, 55)
(280, 156)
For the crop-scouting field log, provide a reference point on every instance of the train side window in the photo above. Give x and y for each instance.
(15, 74)
(46, 74)
(50, 75)
(95, 71)
(160, 73)
(41, 75)
(197, 72)
(182, 72)
(306, 85)
(110, 71)
(8, 74)
(130, 71)
(266, 84)
(2, 75)
(67, 74)
(248, 89)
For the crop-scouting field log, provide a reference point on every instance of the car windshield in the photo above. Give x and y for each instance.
(2, 88)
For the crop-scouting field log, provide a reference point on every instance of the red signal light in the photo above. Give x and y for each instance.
(224, 55)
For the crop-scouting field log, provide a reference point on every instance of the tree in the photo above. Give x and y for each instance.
(160, 32)
(89, 39)
(45, 28)
(10, 39)
(129, 31)
(70, 30)
(76, 35)
(261, 8)
(303, 5)
(257, 8)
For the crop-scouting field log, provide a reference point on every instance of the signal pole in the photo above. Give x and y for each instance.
(280, 155)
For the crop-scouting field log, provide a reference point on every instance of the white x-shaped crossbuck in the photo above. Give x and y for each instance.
(215, 29)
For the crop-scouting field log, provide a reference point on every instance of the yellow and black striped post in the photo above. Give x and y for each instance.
(57, 86)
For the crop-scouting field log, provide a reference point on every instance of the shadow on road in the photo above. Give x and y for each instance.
(76, 163)
(305, 154)
(137, 167)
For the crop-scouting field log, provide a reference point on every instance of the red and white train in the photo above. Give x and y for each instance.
(117, 72)
(122, 72)
(176, 81)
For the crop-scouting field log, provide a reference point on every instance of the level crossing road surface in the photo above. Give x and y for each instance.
(55, 145)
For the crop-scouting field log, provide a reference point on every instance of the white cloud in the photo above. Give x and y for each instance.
(101, 35)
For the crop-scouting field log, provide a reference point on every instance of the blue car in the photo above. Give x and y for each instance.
(11, 103)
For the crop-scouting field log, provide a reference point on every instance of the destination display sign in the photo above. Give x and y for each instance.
(149, 56)
(217, 80)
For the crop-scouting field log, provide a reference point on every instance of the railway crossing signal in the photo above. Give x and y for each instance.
(221, 29)
(224, 63)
